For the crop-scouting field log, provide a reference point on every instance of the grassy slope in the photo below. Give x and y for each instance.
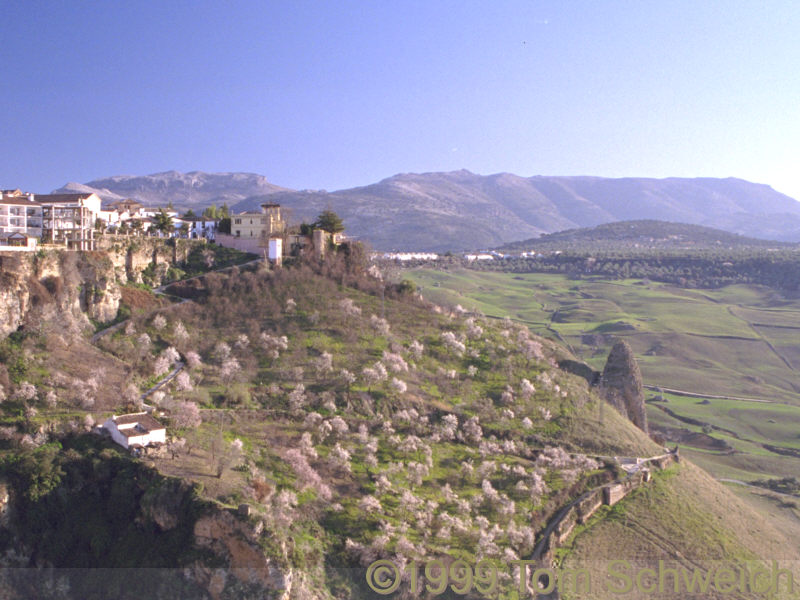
(652, 525)
(688, 333)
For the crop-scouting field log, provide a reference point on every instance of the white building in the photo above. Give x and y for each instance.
(200, 228)
(136, 429)
(20, 214)
(69, 219)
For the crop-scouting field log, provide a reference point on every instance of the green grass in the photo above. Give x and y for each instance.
(738, 341)
(699, 340)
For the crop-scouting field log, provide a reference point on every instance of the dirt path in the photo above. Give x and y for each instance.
(169, 377)
(755, 487)
(760, 336)
(661, 388)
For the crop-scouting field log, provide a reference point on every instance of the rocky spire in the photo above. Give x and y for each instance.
(621, 384)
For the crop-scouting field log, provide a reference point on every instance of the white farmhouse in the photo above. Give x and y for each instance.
(136, 429)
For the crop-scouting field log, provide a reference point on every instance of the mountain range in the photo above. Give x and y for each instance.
(461, 210)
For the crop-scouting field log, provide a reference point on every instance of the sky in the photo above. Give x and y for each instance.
(337, 94)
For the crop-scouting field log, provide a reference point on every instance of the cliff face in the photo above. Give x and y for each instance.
(70, 288)
(124, 515)
(621, 384)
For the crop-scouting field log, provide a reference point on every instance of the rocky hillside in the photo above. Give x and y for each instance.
(75, 289)
(331, 421)
(461, 210)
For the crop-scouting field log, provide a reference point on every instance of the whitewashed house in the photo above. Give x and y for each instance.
(200, 227)
(136, 429)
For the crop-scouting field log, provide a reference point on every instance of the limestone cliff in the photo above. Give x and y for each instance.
(621, 384)
(70, 288)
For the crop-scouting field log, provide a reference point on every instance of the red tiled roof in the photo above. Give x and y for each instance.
(48, 198)
(18, 200)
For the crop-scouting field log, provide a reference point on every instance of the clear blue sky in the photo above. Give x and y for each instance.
(338, 94)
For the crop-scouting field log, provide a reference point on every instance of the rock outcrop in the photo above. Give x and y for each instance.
(621, 384)
(5, 504)
(236, 542)
(71, 288)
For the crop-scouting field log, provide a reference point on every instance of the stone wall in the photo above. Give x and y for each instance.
(582, 509)
(589, 505)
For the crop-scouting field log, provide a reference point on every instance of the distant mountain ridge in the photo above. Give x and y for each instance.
(194, 189)
(640, 234)
(460, 210)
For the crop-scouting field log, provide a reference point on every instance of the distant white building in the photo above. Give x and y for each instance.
(136, 429)
(403, 256)
(20, 214)
(200, 227)
(479, 257)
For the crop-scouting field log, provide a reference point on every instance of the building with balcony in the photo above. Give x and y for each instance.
(69, 219)
(19, 214)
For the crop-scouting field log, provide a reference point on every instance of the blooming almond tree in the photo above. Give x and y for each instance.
(381, 326)
(394, 362)
(452, 343)
(25, 392)
(348, 308)
(306, 475)
(179, 331)
(398, 386)
(229, 369)
(273, 345)
(161, 365)
(186, 415)
(159, 322)
(183, 382)
(193, 360)
(297, 397)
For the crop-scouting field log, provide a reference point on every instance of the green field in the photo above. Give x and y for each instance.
(738, 342)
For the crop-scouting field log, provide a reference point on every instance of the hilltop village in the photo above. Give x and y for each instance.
(79, 221)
